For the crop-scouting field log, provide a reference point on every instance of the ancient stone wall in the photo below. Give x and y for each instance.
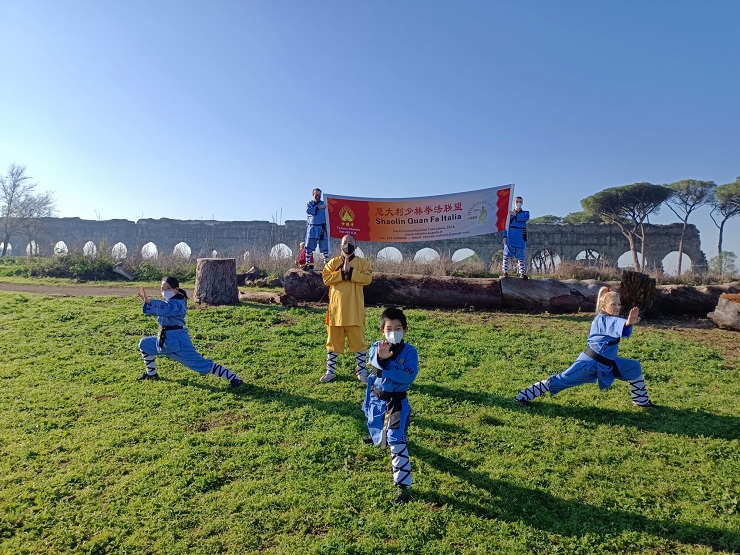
(234, 239)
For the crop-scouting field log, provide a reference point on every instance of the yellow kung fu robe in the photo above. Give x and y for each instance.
(346, 296)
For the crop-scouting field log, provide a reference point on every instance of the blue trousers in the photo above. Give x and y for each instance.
(587, 370)
(313, 238)
(179, 347)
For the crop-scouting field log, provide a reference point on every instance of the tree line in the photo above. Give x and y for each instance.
(629, 208)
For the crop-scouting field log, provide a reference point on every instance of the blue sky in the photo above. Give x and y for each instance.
(236, 110)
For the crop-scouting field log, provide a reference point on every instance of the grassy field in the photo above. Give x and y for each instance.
(92, 461)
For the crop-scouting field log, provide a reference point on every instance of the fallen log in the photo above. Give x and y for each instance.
(533, 295)
(267, 297)
(551, 295)
(538, 295)
(404, 290)
(727, 313)
(691, 300)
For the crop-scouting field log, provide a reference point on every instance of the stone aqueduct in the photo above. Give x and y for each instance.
(234, 239)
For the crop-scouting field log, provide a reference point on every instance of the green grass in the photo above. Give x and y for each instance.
(92, 461)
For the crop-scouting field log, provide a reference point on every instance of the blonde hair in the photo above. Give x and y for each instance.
(604, 297)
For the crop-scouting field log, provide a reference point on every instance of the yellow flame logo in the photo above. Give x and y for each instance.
(346, 215)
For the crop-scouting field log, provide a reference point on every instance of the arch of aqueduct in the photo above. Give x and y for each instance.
(233, 239)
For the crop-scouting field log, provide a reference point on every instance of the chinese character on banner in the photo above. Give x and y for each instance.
(449, 216)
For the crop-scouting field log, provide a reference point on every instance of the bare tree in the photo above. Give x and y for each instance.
(689, 194)
(21, 206)
(629, 207)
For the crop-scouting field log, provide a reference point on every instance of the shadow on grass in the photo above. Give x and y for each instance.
(339, 407)
(684, 422)
(544, 511)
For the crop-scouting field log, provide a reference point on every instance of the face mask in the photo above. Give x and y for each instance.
(394, 337)
(518, 205)
(168, 294)
(348, 248)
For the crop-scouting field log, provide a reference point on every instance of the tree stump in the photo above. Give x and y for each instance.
(638, 290)
(727, 313)
(215, 281)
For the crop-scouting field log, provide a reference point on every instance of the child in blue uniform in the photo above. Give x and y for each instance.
(316, 232)
(173, 339)
(387, 410)
(515, 239)
(599, 362)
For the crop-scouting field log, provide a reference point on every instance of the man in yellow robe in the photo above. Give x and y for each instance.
(346, 275)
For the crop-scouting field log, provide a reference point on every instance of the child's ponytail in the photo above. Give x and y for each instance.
(601, 297)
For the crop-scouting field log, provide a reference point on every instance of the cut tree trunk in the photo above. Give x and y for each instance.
(636, 289)
(550, 295)
(266, 297)
(451, 292)
(434, 291)
(533, 295)
(691, 300)
(215, 281)
(727, 313)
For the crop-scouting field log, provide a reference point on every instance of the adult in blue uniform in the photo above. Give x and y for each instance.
(386, 406)
(599, 363)
(316, 232)
(515, 238)
(173, 339)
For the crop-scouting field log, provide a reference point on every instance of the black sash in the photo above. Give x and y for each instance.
(603, 360)
(162, 333)
(389, 395)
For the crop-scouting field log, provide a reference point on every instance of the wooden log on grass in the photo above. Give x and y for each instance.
(404, 290)
(267, 297)
(727, 313)
(537, 295)
(215, 281)
(691, 300)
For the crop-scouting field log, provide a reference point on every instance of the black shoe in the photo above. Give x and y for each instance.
(235, 382)
(523, 402)
(404, 495)
(650, 405)
(368, 440)
(304, 267)
(506, 274)
(525, 276)
(310, 267)
(146, 376)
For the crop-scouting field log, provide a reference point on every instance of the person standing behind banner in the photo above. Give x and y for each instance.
(515, 239)
(346, 275)
(316, 232)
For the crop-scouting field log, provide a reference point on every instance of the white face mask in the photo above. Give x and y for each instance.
(168, 294)
(394, 337)
(518, 205)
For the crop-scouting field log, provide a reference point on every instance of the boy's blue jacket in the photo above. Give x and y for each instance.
(399, 371)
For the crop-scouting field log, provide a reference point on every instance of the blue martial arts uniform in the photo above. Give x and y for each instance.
(603, 339)
(177, 344)
(316, 232)
(387, 409)
(515, 244)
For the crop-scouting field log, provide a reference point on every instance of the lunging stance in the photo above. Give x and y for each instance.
(173, 339)
(599, 362)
